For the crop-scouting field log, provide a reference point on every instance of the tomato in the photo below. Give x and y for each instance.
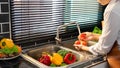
(82, 36)
(2, 55)
(77, 42)
(83, 43)
(19, 49)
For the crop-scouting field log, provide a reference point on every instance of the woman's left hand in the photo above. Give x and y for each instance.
(78, 47)
(81, 47)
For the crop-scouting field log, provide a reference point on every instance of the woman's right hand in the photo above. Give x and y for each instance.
(90, 36)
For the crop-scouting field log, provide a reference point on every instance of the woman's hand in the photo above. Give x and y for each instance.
(91, 36)
(81, 47)
(86, 36)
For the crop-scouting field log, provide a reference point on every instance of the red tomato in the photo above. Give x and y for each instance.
(77, 42)
(82, 36)
(83, 43)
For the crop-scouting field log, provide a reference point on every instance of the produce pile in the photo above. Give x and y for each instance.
(57, 59)
(8, 48)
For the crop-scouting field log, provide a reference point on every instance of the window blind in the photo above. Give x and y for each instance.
(86, 12)
(37, 20)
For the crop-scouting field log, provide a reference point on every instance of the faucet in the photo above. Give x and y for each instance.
(58, 40)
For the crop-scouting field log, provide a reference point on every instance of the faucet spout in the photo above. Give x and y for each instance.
(58, 40)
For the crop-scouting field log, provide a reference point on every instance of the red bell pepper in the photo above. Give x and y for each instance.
(45, 59)
(69, 58)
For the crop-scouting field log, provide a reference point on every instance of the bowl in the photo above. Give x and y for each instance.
(9, 58)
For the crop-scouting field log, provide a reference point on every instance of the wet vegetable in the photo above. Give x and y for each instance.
(81, 42)
(52, 65)
(82, 36)
(62, 52)
(77, 42)
(63, 64)
(45, 59)
(69, 58)
(57, 59)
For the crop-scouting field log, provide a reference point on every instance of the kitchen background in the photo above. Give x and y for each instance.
(70, 13)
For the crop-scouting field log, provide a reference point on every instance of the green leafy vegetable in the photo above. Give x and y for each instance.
(52, 65)
(62, 52)
(97, 30)
(63, 64)
(9, 50)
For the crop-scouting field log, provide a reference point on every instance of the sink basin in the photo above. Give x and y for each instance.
(33, 54)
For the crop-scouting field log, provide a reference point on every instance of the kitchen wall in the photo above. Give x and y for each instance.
(4, 19)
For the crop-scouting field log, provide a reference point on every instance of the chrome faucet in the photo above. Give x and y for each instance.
(58, 40)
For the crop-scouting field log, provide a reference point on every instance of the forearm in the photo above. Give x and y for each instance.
(85, 48)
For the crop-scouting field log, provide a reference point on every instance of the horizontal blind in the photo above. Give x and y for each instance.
(85, 12)
(33, 20)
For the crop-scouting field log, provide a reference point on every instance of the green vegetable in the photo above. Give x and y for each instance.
(63, 64)
(63, 52)
(9, 50)
(52, 65)
(97, 30)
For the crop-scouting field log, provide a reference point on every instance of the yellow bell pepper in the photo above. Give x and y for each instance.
(57, 59)
(5, 42)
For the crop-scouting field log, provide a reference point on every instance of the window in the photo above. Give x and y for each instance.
(85, 12)
(37, 20)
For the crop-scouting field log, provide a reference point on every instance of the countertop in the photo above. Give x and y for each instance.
(18, 62)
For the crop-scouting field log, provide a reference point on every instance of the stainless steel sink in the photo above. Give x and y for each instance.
(33, 54)
(84, 58)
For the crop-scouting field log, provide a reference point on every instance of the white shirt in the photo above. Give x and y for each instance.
(111, 29)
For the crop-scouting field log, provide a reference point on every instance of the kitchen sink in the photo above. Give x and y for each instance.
(33, 54)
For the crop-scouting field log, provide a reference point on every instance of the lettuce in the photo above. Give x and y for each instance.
(97, 30)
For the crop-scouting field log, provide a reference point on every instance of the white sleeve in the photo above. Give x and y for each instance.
(109, 35)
